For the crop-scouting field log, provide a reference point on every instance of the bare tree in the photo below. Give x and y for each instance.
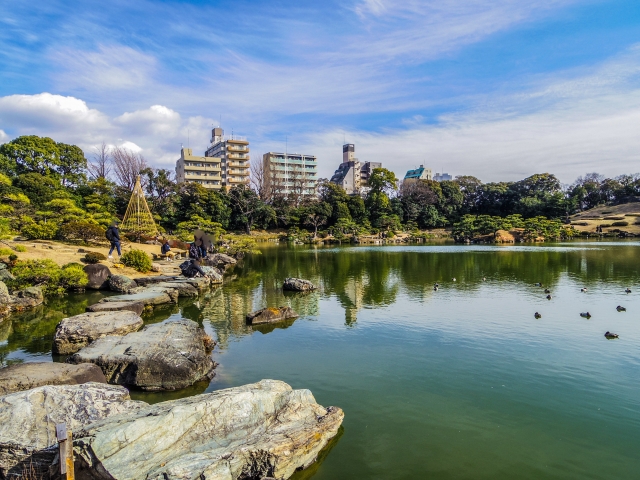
(259, 180)
(127, 166)
(101, 165)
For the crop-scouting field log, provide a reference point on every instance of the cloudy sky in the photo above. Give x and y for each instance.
(499, 89)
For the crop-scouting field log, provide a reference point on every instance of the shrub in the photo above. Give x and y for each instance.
(13, 257)
(6, 251)
(28, 273)
(81, 230)
(20, 248)
(73, 276)
(137, 259)
(94, 257)
(40, 230)
(619, 224)
(605, 225)
(613, 218)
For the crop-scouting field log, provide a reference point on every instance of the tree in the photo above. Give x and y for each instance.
(31, 153)
(82, 230)
(127, 167)
(317, 215)
(160, 190)
(71, 164)
(101, 165)
(246, 207)
(382, 180)
(259, 181)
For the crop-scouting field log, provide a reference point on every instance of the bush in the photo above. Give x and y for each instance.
(605, 225)
(73, 276)
(137, 259)
(619, 224)
(13, 257)
(29, 273)
(94, 257)
(81, 230)
(20, 248)
(613, 218)
(6, 251)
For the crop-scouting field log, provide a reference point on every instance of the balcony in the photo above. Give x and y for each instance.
(213, 167)
(237, 148)
(237, 164)
(241, 156)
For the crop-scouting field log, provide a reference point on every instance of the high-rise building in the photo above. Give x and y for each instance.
(203, 170)
(439, 177)
(420, 173)
(352, 175)
(290, 174)
(233, 153)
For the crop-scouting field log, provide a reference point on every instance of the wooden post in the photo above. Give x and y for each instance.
(65, 449)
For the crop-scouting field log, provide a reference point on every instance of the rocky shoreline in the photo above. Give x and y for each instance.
(262, 430)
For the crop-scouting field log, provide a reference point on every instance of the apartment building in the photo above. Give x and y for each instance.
(207, 171)
(290, 174)
(233, 153)
(420, 173)
(439, 177)
(352, 175)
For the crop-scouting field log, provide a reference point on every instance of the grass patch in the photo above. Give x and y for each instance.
(613, 218)
(20, 248)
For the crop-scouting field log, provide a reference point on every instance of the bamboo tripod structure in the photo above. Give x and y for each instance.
(138, 219)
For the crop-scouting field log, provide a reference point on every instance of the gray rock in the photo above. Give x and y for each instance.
(28, 421)
(270, 315)
(5, 298)
(298, 285)
(155, 267)
(265, 429)
(25, 376)
(3, 266)
(198, 282)
(121, 283)
(27, 298)
(184, 289)
(163, 356)
(137, 307)
(148, 296)
(219, 260)
(6, 275)
(144, 281)
(214, 274)
(75, 333)
(98, 276)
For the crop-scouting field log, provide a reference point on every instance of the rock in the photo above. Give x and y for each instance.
(298, 285)
(144, 281)
(163, 356)
(198, 282)
(121, 283)
(6, 275)
(219, 260)
(3, 266)
(5, 298)
(98, 276)
(148, 296)
(137, 307)
(155, 267)
(27, 298)
(28, 421)
(184, 289)
(25, 376)
(214, 274)
(270, 315)
(75, 333)
(265, 429)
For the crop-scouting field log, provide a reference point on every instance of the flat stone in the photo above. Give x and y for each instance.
(121, 283)
(75, 333)
(198, 282)
(184, 289)
(163, 356)
(147, 296)
(137, 307)
(270, 315)
(255, 431)
(27, 298)
(98, 276)
(298, 285)
(144, 281)
(28, 421)
(24, 376)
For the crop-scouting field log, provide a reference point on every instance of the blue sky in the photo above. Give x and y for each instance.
(499, 89)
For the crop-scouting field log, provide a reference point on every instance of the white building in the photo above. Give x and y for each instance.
(290, 174)
(352, 175)
(233, 153)
(207, 171)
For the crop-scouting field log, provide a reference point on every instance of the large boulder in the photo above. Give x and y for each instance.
(213, 273)
(27, 298)
(219, 260)
(24, 376)
(5, 275)
(98, 276)
(75, 333)
(121, 283)
(5, 298)
(150, 296)
(270, 315)
(136, 307)
(184, 289)
(28, 421)
(164, 356)
(262, 430)
(298, 285)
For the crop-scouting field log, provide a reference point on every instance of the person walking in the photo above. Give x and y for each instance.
(113, 235)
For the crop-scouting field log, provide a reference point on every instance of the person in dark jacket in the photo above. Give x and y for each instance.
(113, 235)
(166, 248)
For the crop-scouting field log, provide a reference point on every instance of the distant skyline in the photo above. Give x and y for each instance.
(498, 89)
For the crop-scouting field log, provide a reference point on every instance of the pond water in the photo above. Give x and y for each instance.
(459, 383)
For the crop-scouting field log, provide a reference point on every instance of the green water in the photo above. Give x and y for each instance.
(462, 383)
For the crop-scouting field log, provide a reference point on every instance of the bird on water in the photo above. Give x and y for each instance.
(537, 315)
(621, 309)
(585, 315)
(611, 335)
(548, 297)
(628, 290)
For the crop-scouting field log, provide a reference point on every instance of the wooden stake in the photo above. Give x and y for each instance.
(65, 450)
